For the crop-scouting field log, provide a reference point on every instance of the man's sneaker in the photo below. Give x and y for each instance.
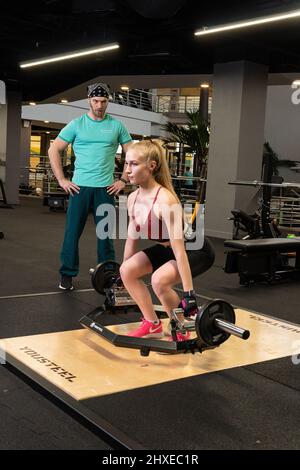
(147, 329)
(181, 337)
(66, 283)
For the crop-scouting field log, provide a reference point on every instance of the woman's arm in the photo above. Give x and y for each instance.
(182, 264)
(130, 248)
(173, 218)
(131, 243)
(174, 224)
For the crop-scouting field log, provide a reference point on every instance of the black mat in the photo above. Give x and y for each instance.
(31, 421)
(232, 409)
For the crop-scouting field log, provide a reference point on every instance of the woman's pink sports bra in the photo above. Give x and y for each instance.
(152, 222)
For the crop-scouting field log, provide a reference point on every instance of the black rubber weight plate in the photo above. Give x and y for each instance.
(104, 275)
(206, 328)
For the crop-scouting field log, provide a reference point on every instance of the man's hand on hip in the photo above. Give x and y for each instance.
(116, 187)
(68, 186)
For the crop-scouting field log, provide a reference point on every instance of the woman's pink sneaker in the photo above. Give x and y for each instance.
(148, 329)
(181, 337)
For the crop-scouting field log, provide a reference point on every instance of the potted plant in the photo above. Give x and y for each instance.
(194, 134)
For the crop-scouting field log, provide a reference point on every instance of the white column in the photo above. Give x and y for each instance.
(25, 151)
(236, 141)
(10, 142)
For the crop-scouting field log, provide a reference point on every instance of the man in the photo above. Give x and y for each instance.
(95, 137)
(189, 182)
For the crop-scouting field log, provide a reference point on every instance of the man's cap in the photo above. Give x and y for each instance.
(98, 89)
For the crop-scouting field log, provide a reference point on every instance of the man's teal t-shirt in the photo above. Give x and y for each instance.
(95, 144)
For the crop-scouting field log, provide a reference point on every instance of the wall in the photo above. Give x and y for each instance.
(3, 133)
(136, 120)
(282, 123)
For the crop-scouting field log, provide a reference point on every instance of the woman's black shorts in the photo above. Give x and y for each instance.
(200, 260)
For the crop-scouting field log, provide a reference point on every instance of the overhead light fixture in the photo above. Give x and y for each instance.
(64, 101)
(32, 103)
(46, 122)
(204, 85)
(70, 55)
(296, 83)
(125, 88)
(246, 24)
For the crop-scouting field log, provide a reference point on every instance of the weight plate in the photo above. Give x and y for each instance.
(208, 333)
(104, 275)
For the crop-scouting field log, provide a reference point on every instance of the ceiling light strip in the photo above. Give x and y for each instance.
(68, 56)
(245, 24)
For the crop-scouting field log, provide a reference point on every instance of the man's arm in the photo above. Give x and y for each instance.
(124, 176)
(117, 186)
(54, 152)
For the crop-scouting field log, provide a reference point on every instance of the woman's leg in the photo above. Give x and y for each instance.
(131, 271)
(163, 280)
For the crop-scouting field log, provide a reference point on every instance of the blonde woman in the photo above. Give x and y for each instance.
(155, 213)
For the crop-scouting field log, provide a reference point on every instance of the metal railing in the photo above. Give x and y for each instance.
(286, 210)
(141, 99)
(144, 99)
(181, 105)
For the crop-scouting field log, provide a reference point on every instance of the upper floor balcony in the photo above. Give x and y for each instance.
(159, 103)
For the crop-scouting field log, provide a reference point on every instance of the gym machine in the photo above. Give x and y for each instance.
(3, 200)
(263, 255)
(214, 323)
(258, 225)
(3, 203)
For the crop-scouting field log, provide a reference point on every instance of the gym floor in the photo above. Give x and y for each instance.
(251, 407)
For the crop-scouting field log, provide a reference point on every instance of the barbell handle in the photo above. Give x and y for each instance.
(232, 329)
